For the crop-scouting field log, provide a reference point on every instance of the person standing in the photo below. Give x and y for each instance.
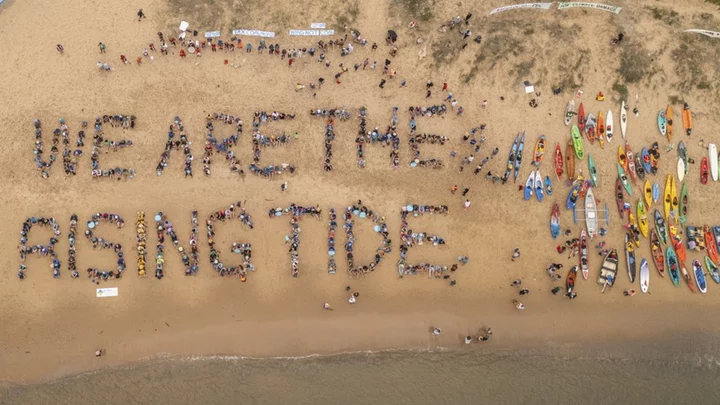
(466, 205)
(102, 47)
(140, 15)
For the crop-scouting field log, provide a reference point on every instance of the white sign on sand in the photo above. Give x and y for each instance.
(106, 292)
(535, 6)
(255, 33)
(184, 25)
(711, 34)
(604, 7)
(212, 34)
(311, 33)
(318, 26)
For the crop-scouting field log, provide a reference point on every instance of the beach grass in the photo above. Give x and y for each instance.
(421, 10)
(621, 90)
(349, 16)
(635, 62)
(666, 15)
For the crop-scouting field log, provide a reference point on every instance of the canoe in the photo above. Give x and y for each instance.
(570, 279)
(591, 220)
(581, 118)
(683, 203)
(681, 169)
(662, 122)
(711, 244)
(630, 257)
(569, 112)
(555, 221)
(654, 157)
(624, 179)
(677, 244)
(686, 277)
(539, 151)
(601, 130)
(642, 219)
(570, 161)
(683, 154)
(609, 126)
(716, 234)
(669, 122)
(558, 158)
(608, 270)
(647, 193)
(584, 254)
(630, 161)
(511, 159)
(623, 119)
(661, 228)
(620, 197)
(667, 203)
(645, 157)
(633, 228)
(548, 186)
(675, 202)
(573, 195)
(713, 270)
(671, 262)
(704, 170)
(518, 156)
(713, 155)
(700, 276)
(530, 185)
(622, 157)
(656, 192)
(687, 119)
(591, 128)
(657, 253)
(539, 190)
(644, 276)
(577, 142)
(593, 171)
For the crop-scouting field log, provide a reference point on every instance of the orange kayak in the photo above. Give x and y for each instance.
(601, 130)
(687, 119)
(669, 122)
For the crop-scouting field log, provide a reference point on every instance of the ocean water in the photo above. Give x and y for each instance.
(452, 376)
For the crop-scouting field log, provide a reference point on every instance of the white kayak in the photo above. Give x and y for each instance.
(713, 158)
(591, 220)
(681, 169)
(609, 126)
(623, 119)
(569, 112)
(644, 276)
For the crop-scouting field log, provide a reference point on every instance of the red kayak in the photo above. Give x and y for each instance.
(711, 244)
(558, 161)
(704, 171)
(581, 118)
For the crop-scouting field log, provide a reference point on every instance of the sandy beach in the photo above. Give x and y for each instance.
(51, 327)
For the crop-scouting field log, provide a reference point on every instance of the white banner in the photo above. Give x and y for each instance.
(255, 33)
(604, 7)
(311, 33)
(212, 34)
(106, 292)
(318, 26)
(538, 6)
(711, 34)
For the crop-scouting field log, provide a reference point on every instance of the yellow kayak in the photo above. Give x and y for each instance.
(674, 196)
(667, 203)
(642, 219)
(648, 193)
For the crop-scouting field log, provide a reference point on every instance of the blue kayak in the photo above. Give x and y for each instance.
(548, 186)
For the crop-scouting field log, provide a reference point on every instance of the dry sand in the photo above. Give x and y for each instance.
(52, 327)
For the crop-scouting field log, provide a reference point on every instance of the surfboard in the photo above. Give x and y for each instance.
(662, 123)
(681, 169)
(713, 159)
(644, 276)
(623, 119)
(609, 126)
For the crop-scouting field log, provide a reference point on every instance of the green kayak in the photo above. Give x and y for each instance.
(593, 170)
(624, 179)
(577, 142)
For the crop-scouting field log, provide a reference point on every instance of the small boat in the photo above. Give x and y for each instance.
(581, 118)
(712, 270)
(539, 190)
(645, 157)
(677, 243)
(619, 197)
(683, 204)
(609, 126)
(711, 244)
(608, 270)
(624, 179)
(682, 153)
(669, 122)
(577, 142)
(591, 220)
(687, 278)
(530, 185)
(642, 219)
(569, 112)
(570, 279)
(518, 156)
(657, 253)
(662, 123)
(591, 128)
(570, 161)
(644, 276)
(661, 228)
(601, 130)
(672, 266)
(584, 254)
(622, 158)
(633, 228)
(555, 221)
(574, 194)
(687, 119)
(713, 154)
(681, 169)
(656, 192)
(623, 119)
(548, 186)
(647, 193)
(593, 171)
(675, 202)
(704, 170)
(630, 257)
(667, 203)
(700, 276)
(630, 161)
(511, 159)
(639, 168)
(558, 161)
(539, 151)
(654, 157)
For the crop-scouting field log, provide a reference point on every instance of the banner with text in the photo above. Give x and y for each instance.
(711, 34)
(597, 6)
(537, 6)
(254, 33)
(311, 33)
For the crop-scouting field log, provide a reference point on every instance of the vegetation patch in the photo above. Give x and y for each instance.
(635, 63)
(666, 15)
(421, 10)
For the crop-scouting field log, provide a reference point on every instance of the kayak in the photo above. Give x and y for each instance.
(609, 126)
(642, 219)
(713, 154)
(539, 151)
(608, 270)
(630, 161)
(687, 278)
(644, 276)
(573, 195)
(581, 118)
(548, 186)
(675, 201)
(591, 220)
(677, 243)
(622, 158)
(511, 159)
(619, 197)
(623, 119)
(601, 130)
(700, 276)
(712, 270)
(683, 155)
(672, 266)
(555, 221)
(633, 228)
(711, 244)
(624, 179)
(570, 279)
(654, 156)
(630, 257)
(667, 203)
(584, 254)
(704, 171)
(687, 119)
(681, 169)
(518, 156)
(656, 192)
(661, 228)
(530, 185)
(657, 253)
(593, 171)
(645, 157)
(577, 142)
(539, 190)
(591, 128)
(669, 122)
(648, 193)
(662, 123)
(569, 112)
(639, 168)
(558, 161)
(683, 204)
(570, 161)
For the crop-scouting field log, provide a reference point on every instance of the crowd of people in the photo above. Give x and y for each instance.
(296, 212)
(70, 156)
(42, 250)
(410, 239)
(235, 210)
(141, 239)
(361, 211)
(94, 274)
(332, 226)
(171, 144)
(259, 140)
(389, 138)
(190, 260)
(330, 116)
(224, 146)
(72, 266)
(100, 142)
